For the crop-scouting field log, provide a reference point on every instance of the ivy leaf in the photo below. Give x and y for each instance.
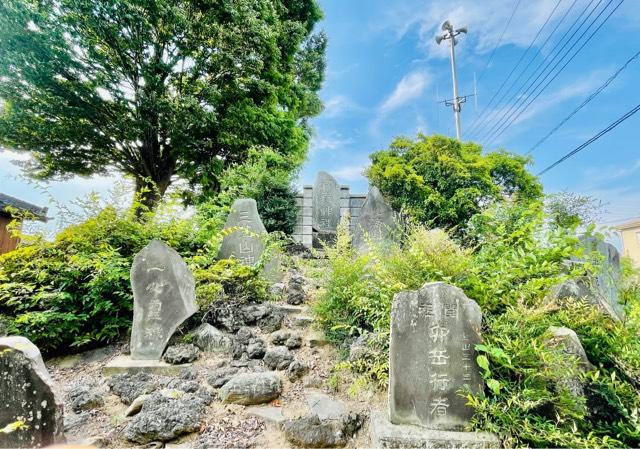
(483, 362)
(494, 386)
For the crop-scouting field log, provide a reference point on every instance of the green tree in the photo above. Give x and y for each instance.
(157, 89)
(444, 182)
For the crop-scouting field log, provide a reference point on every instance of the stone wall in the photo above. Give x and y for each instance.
(349, 203)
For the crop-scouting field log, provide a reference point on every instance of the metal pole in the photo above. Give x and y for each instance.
(456, 99)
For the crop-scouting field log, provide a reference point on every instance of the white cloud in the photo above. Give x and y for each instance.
(10, 156)
(485, 19)
(337, 106)
(350, 173)
(409, 88)
(328, 142)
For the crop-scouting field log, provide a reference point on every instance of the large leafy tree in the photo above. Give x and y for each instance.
(157, 89)
(444, 182)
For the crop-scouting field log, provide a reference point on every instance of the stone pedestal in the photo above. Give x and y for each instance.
(125, 364)
(385, 435)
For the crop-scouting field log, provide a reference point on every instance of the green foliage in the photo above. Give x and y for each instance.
(157, 89)
(567, 209)
(518, 259)
(443, 182)
(74, 292)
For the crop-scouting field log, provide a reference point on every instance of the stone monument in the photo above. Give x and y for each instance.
(377, 222)
(432, 357)
(246, 244)
(28, 397)
(326, 207)
(163, 298)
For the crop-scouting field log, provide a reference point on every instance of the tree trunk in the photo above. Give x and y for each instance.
(150, 191)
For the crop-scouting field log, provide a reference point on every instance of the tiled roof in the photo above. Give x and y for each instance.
(40, 213)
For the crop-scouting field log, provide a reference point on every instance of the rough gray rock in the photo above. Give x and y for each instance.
(295, 290)
(366, 346)
(136, 405)
(164, 417)
(208, 338)
(567, 341)
(164, 296)
(181, 353)
(301, 321)
(130, 386)
(251, 388)
(296, 370)
(256, 348)
(271, 322)
(84, 397)
(325, 406)
(285, 338)
(27, 393)
(220, 376)
(277, 289)
(278, 358)
(227, 315)
(310, 431)
(253, 312)
(583, 288)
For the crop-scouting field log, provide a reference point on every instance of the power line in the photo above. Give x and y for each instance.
(517, 96)
(481, 119)
(516, 114)
(590, 141)
(513, 12)
(584, 103)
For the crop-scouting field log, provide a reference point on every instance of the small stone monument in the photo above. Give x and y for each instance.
(246, 244)
(28, 396)
(242, 245)
(376, 223)
(326, 206)
(163, 297)
(432, 357)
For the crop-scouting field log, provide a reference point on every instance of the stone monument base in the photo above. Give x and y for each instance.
(125, 364)
(385, 435)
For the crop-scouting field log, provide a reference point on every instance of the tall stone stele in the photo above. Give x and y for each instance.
(27, 395)
(432, 356)
(163, 297)
(376, 223)
(243, 244)
(326, 204)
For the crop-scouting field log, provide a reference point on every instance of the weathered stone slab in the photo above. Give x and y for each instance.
(385, 435)
(607, 281)
(126, 365)
(326, 203)
(163, 297)
(376, 222)
(245, 245)
(434, 331)
(28, 395)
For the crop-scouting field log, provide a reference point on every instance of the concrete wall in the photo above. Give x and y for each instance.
(349, 203)
(631, 243)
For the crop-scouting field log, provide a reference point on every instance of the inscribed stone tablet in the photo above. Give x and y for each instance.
(376, 222)
(28, 395)
(163, 297)
(242, 245)
(326, 203)
(434, 331)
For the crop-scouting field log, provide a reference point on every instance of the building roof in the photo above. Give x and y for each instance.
(39, 213)
(629, 224)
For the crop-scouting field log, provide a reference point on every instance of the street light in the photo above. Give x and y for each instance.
(450, 34)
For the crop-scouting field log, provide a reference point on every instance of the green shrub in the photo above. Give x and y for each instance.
(443, 182)
(509, 273)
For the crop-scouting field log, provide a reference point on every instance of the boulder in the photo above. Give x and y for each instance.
(284, 338)
(567, 341)
(130, 386)
(84, 397)
(278, 358)
(251, 388)
(271, 322)
(220, 376)
(311, 431)
(256, 348)
(296, 370)
(27, 394)
(295, 290)
(165, 416)
(208, 338)
(181, 353)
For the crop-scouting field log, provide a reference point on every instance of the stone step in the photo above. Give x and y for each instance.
(301, 321)
(269, 414)
(325, 406)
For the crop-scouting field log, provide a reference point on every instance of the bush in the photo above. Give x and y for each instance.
(516, 262)
(443, 182)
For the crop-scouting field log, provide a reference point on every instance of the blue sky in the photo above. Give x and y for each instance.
(386, 75)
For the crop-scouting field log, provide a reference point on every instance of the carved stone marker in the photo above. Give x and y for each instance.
(326, 203)
(242, 245)
(376, 223)
(163, 297)
(434, 331)
(28, 395)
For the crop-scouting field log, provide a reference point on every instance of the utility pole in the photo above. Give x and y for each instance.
(450, 34)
